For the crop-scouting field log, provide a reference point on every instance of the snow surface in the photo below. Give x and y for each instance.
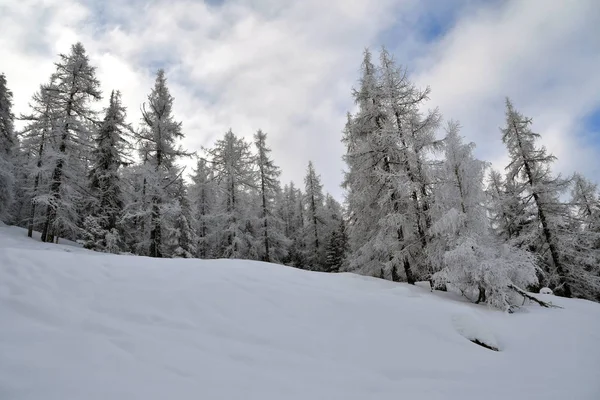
(473, 328)
(81, 325)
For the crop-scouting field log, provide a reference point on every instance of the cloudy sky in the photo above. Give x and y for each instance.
(288, 66)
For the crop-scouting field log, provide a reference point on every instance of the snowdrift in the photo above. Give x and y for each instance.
(81, 325)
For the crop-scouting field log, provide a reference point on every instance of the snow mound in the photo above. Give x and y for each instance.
(475, 330)
(82, 325)
(546, 290)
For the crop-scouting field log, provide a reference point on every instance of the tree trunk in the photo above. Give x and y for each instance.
(482, 297)
(408, 271)
(155, 232)
(265, 223)
(395, 276)
(47, 234)
(532, 298)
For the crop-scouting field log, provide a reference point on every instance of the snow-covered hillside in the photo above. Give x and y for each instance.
(81, 325)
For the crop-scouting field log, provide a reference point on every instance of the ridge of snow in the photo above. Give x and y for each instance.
(473, 328)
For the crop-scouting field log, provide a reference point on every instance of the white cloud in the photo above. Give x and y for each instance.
(288, 67)
(543, 54)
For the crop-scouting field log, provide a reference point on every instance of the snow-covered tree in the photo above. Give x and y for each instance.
(37, 139)
(75, 88)
(183, 236)
(485, 272)
(108, 156)
(509, 215)
(586, 200)
(361, 181)
(204, 205)
(270, 225)
(135, 217)
(529, 172)
(473, 261)
(581, 238)
(232, 165)
(292, 213)
(336, 238)
(413, 135)
(7, 146)
(315, 219)
(337, 248)
(160, 152)
(387, 180)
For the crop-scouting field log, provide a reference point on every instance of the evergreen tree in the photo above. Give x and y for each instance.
(582, 237)
(75, 87)
(337, 247)
(231, 163)
(586, 200)
(360, 180)
(105, 182)
(203, 199)
(509, 215)
(387, 179)
(37, 140)
(292, 214)
(183, 237)
(473, 261)
(410, 136)
(274, 242)
(336, 238)
(135, 217)
(7, 146)
(529, 172)
(315, 221)
(159, 150)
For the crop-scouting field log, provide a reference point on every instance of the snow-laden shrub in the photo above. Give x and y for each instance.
(93, 234)
(487, 269)
(99, 239)
(112, 240)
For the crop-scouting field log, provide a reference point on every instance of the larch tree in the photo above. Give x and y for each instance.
(361, 181)
(582, 238)
(274, 242)
(204, 205)
(586, 200)
(183, 238)
(232, 165)
(7, 147)
(509, 216)
(109, 155)
(529, 172)
(336, 238)
(315, 219)
(387, 180)
(472, 260)
(136, 209)
(34, 167)
(413, 135)
(160, 152)
(292, 214)
(75, 87)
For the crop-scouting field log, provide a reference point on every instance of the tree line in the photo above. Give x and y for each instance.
(74, 173)
(419, 205)
(424, 208)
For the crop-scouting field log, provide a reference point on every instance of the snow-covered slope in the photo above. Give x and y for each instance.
(81, 325)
